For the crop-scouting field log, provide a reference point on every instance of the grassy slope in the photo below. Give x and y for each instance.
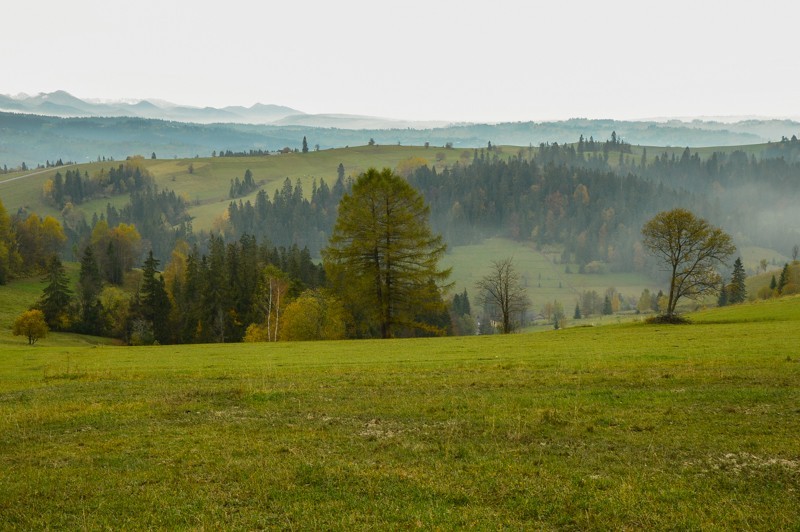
(209, 184)
(627, 426)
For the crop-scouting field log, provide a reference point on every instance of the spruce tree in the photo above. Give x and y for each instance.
(90, 283)
(607, 308)
(737, 291)
(56, 299)
(155, 304)
(722, 300)
(461, 305)
(783, 280)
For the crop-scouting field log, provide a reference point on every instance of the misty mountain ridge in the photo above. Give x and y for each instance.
(64, 105)
(58, 125)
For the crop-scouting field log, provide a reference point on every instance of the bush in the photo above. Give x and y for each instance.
(664, 319)
(594, 267)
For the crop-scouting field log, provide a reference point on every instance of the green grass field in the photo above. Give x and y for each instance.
(620, 427)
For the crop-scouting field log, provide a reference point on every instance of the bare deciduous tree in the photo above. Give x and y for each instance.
(501, 289)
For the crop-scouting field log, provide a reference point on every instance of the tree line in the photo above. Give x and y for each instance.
(290, 217)
(72, 187)
(195, 297)
(594, 214)
(26, 243)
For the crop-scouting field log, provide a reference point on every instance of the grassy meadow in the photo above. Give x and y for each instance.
(627, 426)
(543, 275)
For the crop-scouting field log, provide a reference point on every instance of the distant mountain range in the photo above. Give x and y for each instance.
(48, 127)
(64, 105)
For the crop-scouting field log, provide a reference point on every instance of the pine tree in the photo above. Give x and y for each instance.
(783, 280)
(465, 306)
(155, 304)
(305, 145)
(461, 305)
(577, 314)
(190, 304)
(56, 299)
(722, 300)
(607, 308)
(90, 283)
(737, 290)
(216, 297)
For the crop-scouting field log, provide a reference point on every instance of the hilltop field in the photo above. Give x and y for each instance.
(628, 426)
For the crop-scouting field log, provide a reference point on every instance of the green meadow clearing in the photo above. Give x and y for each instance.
(542, 274)
(628, 426)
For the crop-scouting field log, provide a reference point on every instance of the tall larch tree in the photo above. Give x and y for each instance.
(383, 257)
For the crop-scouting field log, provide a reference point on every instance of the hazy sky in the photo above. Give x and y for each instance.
(496, 60)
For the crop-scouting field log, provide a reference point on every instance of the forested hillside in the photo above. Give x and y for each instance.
(592, 198)
(588, 200)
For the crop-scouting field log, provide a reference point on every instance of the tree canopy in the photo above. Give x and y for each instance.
(690, 248)
(383, 257)
(30, 324)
